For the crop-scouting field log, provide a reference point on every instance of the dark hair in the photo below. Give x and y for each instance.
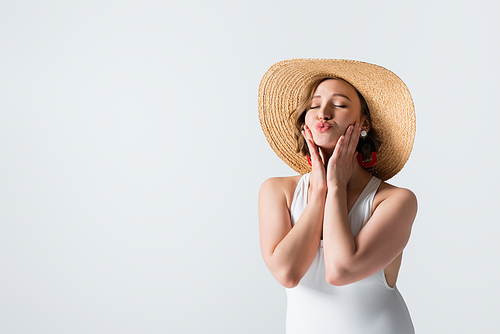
(299, 115)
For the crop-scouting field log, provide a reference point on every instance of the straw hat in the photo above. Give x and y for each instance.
(391, 108)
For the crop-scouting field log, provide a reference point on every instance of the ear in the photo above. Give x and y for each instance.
(365, 123)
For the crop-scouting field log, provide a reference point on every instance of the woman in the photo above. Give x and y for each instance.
(334, 236)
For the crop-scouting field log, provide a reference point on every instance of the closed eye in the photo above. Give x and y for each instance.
(339, 106)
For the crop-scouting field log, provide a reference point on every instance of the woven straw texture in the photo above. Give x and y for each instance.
(389, 100)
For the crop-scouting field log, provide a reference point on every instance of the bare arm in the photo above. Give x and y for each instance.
(288, 252)
(380, 241)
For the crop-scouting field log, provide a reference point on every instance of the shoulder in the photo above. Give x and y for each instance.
(284, 182)
(387, 190)
(283, 187)
(396, 198)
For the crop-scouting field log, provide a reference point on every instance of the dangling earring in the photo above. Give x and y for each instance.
(363, 140)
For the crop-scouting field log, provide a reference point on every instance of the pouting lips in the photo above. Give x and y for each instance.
(322, 127)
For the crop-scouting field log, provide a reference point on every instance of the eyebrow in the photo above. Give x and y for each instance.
(335, 94)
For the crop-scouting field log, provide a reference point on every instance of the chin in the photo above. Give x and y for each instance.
(326, 146)
(326, 143)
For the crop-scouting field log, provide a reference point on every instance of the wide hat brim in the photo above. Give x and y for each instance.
(391, 108)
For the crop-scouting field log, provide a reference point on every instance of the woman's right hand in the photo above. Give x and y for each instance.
(317, 179)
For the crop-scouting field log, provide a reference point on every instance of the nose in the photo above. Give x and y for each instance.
(324, 114)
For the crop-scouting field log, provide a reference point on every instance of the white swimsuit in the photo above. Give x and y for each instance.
(368, 306)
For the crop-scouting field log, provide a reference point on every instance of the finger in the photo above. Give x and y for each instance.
(310, 140)
(339, 147)
(308, 133)
(348, 133)
(313, 149)
(310, 143)
(343, 144)
(354, 133)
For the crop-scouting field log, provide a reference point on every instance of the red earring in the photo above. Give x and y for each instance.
(368, 163)
(309, 161)
(363, 140)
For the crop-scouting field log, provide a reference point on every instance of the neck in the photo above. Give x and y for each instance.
(359, 178)
(326, 154)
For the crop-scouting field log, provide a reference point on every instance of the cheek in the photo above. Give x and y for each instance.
(308, 119)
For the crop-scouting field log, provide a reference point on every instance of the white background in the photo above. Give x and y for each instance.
(131, 156)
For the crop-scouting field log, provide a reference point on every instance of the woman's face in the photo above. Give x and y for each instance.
(334, 106)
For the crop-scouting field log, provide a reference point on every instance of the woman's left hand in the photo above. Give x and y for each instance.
(343, 159)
